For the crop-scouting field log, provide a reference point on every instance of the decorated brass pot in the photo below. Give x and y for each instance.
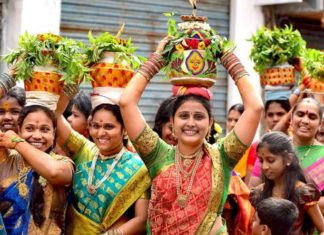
(192, 61)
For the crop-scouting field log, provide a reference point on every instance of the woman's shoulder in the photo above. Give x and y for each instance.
(131, 156)
(307, 193)
(59, 157)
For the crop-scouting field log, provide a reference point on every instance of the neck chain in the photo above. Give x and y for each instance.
(183, 199)
(92, 189)
(22, 175)
(187, 161)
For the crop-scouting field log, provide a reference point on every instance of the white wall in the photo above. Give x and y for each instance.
(245, 19)
(41, 16)
(33, 16)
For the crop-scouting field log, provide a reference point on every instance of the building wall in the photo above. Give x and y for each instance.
(32, 16)
(146, 25)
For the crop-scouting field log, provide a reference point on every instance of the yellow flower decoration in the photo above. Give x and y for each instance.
(201, 46)
(179, 47)
(218, 128)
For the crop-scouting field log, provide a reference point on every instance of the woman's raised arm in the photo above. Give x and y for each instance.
(248, 123)
(56, 172)
(64, 129)
(132, 116)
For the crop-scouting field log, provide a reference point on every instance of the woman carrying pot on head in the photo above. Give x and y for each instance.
(190, 180)
(110, 182)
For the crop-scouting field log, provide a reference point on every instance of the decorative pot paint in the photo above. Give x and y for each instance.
(281, 75)
(44, 87)
(189, 64)
(108, 73)
(109, 78)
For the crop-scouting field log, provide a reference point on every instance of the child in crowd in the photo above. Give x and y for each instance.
(284, 178)
(274, 216)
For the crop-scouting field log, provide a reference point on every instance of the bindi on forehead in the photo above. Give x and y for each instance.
(5, 105)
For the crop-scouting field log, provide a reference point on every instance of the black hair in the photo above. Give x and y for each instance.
(83, 104)
(278, 214)
(163, 114)
(184, 98)
(283, 103)
(280, 144)
(309, 100)
(237, 107)
(17, 93)
(37, 200)
(115, 110)
(68, 110)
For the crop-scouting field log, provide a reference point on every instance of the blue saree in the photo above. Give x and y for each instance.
(16, 217)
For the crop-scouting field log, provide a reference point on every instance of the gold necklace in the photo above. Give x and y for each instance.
(92, 188)
(22, 173)
(182, 199)
(187, 160)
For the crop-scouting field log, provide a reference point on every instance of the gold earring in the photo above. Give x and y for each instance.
(208, 135)
(172, 131)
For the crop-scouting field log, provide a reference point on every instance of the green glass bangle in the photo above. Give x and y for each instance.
(17, 139)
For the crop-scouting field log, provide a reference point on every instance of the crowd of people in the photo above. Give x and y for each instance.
(103, 170)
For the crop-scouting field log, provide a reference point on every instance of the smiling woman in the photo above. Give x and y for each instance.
(10, 106)
(33, 180)
(106, 175)
(305, 122)
(191, 178)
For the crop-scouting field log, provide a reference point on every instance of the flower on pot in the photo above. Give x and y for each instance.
(193, 52)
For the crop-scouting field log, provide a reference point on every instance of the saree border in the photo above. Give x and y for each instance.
(215, 197)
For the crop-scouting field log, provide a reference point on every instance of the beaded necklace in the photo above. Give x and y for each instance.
(182, 199)
(92, 189)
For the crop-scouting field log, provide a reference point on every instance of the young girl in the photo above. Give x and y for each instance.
(284, 178)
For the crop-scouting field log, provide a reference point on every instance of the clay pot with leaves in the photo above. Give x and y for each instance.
(45, 63)
(273, 51)
(112, 60)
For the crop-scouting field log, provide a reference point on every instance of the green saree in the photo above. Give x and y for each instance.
(96, 213)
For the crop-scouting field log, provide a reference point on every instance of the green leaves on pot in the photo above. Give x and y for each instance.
(313, 61)
(45, 49)
(172, 24)
(274, 47)
(107, 42)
